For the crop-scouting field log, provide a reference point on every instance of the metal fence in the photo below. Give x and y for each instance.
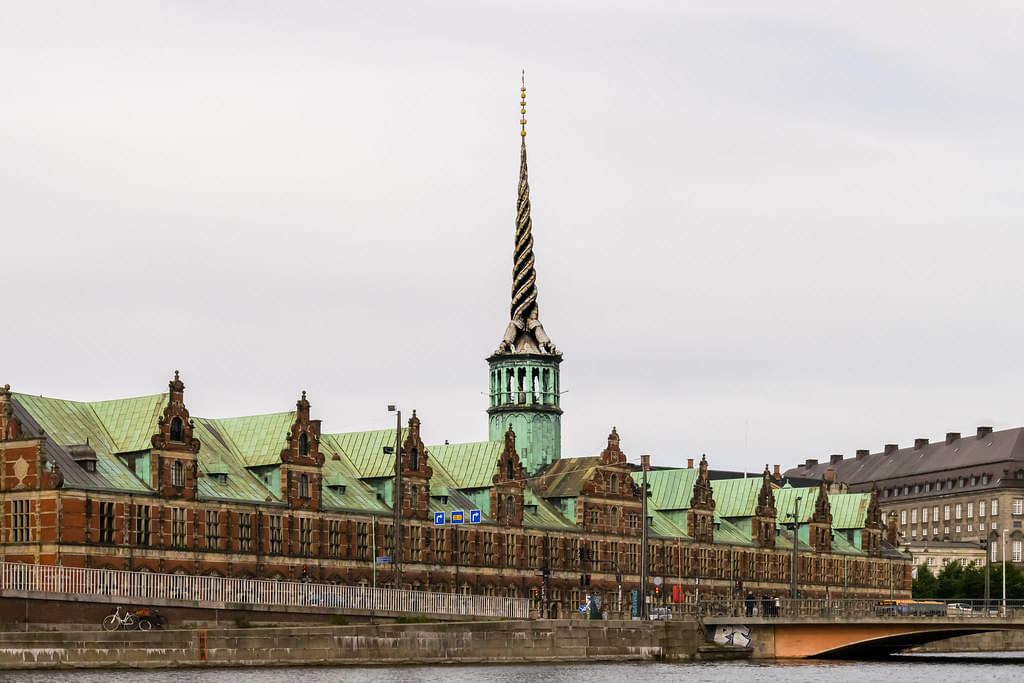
(142, 586)
(821, 608)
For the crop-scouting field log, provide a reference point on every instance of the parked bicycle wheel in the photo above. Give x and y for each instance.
(145, 624)
(129, 622)
(110, 623)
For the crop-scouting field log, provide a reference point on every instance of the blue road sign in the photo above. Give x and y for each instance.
(474, 516)
(582, 609)
(458, 517)
(438, 518)
(383, 559)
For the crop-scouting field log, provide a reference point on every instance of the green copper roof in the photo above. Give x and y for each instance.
(365, 450)
(736, 497)
(662, 526)
(672, 489)
(540, 514)
(565, 478)
(472, 465)
(68, 423)
(784, 500)
(258, 439)
(132, 422)
(727, 532)
(849, 510)
(841, 545)
(217, 456)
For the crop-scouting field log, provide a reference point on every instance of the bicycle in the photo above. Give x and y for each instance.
(114, 620)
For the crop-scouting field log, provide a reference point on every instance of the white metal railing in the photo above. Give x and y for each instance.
(141, 586)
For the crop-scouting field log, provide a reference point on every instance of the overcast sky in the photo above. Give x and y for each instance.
(764, 231)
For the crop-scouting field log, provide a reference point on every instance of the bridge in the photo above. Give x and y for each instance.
(846, 629)
(113, 587)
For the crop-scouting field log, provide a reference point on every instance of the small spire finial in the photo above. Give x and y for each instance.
(522, 106)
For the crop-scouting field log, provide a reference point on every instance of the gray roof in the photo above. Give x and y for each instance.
(946, 456)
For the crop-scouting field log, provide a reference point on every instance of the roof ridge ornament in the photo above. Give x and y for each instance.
(525, 333)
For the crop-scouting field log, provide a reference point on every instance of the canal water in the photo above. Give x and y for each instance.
(934, 669)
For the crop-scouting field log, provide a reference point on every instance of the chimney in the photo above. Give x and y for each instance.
(920, 443)
(811, 462)
(834, 458)
(952, 436)
(645, 462)
(891, 448)
(862, 453)
(830, 475)
(689, 463)
(776, 474)
(984, 431)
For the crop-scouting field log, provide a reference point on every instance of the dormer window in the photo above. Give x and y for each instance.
(177, 430)
(304, 444)
(414, 459)
(511, 470)
(177, 473)
(304, 484)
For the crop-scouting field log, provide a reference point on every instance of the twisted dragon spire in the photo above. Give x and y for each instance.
(524, 334)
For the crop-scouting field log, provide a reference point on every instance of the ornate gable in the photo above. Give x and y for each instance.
(174, 429)
(613, 455)
(509, 485)
(701, 517)
(414, 453)
(303, 439)
(766, 513)
(10, 426)
(821, 521)
(510, 469)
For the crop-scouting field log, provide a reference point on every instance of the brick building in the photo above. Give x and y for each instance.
(142, 484)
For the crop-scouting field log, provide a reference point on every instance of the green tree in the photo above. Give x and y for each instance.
(951, 582)
(925, 586)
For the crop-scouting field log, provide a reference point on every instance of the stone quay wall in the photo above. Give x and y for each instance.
(502, 642)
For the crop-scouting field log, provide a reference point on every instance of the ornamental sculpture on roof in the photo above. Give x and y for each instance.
(525, 333)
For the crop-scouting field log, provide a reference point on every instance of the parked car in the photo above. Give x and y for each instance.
(660, 614)
(955, 608)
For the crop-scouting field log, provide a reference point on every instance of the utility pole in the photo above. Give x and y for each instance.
(373, 547)
(796, 540)
(985, 543)
(396, 498)
(645, 463)
(1004, 572)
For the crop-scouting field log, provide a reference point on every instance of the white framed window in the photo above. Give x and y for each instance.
(995, 507)
(1018, 506)
(935, 531)
(981, 526)
(945, 512)
(913, 533)
(930, 562)
(993, 552)
(959, 511)
(970, 527)
(957, 528)
(970, 511)
(924, 515)
(935, 513)
(981, 508)
(913, 516)
(963, 561)
(1016, 551)
(945, 530)
(903, 517)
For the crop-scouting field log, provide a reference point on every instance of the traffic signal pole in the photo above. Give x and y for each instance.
(645, 463)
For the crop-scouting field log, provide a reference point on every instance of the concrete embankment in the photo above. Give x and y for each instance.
(388, 644)
(994, 641)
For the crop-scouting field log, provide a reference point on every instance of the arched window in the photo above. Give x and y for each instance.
(414, 459)
(177, 430)
(614, 518)
(510, 508)
(177, 473)
(511, 470)
(615, 483)
(304, 445)
(304, 485)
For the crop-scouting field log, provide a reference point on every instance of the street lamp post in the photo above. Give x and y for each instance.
(796, 529)
(396, 498)
(985, 543)
(645, 463)
(1004, 572)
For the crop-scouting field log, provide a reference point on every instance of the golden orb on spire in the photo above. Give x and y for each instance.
(522, 105)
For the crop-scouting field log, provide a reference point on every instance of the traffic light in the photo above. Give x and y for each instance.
(305, 572)
(536, 594)
(582, 580)
(587, 578)
(657, 591)
(739, 585)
